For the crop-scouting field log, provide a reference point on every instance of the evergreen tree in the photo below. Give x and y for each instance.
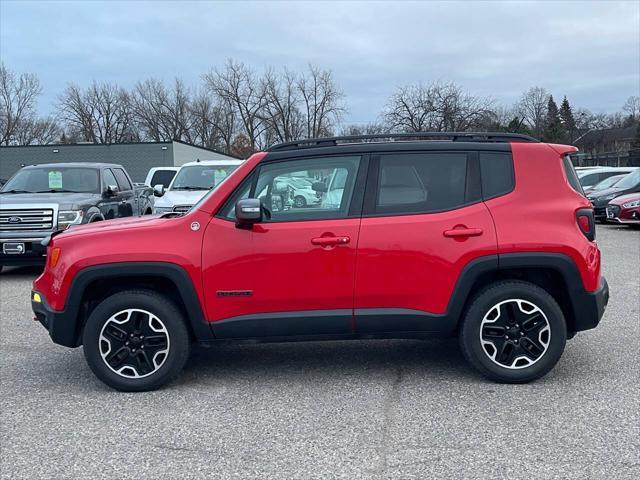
(569, 123)
(517, 126)
(554, 131)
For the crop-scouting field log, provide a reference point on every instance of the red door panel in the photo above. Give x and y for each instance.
(279, 267)
(413, 261)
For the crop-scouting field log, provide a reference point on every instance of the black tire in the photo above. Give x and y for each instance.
(171, 360)
(499, 298)
(299, 201)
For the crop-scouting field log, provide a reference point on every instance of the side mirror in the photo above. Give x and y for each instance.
(158, 190)
(248, 211)
(319, 187)
(111, 190)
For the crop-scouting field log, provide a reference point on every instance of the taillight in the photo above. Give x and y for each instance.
(587, 223)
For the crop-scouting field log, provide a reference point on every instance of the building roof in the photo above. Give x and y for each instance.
(606, 135)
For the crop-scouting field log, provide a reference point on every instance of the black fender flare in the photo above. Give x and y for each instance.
(172, 272)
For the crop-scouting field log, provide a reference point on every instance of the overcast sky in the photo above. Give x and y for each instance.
(589, 51)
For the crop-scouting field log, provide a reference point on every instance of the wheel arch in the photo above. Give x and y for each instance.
(93, 284)
(555, 273)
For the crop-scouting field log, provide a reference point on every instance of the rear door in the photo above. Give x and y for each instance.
(128, 200)
(423, 221)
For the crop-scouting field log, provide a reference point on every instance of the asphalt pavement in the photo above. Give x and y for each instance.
(359, 409)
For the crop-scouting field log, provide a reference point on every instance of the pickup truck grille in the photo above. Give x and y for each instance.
(14, 220)
(182, 208)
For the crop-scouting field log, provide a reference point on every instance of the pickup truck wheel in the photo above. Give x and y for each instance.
(136, 341)
(513, 332)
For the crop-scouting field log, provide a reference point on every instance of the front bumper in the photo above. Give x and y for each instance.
(34, 252)
(61, 328)
(590, 308)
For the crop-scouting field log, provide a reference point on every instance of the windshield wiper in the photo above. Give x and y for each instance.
(16, 191)
(171, 214)
(189, 187)
(57, 191)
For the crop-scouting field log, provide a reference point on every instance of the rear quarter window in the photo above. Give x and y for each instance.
(497, 177)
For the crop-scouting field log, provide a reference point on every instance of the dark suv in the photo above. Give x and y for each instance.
(483, 236)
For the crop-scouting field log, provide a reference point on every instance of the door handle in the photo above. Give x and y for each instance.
(330, 241)
(463, 232)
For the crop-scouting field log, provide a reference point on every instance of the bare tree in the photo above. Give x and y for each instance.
(532, 107)
(373, 128)
(213, 124)
(37, 132)
(437, 107)
(162, 113)
(632, 107)
(237, 85)
(18, 96)
(99, 114)
(322, 99)
(282, 107)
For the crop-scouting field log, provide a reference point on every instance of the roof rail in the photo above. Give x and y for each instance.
(496, 137)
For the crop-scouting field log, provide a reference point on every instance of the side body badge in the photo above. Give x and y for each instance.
(195, 226)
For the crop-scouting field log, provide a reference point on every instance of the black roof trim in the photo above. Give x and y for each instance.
(484, 137)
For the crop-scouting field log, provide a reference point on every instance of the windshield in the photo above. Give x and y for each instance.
(201, 177)
(630, 180)
(54, 179)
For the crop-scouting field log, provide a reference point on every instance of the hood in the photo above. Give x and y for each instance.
(117, 224)
(596, 196)
(630, 197)
(67, 200)
(180, 197)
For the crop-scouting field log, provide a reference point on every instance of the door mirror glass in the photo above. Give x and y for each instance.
(248, 211)
(158, 190)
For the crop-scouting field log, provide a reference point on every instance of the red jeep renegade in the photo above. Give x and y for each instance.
(484, 236)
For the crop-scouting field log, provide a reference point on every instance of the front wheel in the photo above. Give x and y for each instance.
(136, 341)
(299, 201)
(513, 332)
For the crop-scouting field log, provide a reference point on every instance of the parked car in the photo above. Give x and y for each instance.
(593, 176)
(298, 191)
(605, 184)
(42, 199)
(191, 183)
(629, 184)
(160, 176)
(420, 238)
(625, 209)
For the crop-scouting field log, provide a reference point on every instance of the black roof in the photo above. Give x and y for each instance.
(475, 137)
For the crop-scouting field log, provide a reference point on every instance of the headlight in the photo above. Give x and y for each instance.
(161, 210)
(69, 217)
(635, 203)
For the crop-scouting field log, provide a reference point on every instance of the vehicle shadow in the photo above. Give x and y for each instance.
(323, 360)
(21, 273)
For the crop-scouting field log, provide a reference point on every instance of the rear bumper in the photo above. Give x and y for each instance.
(590, 308)
(61, 328)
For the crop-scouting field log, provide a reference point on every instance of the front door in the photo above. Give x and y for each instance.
(293, 273)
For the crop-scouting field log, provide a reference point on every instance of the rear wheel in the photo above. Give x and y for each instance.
(136, 341)
(513, 332)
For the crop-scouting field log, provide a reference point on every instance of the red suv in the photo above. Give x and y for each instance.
(484, 236)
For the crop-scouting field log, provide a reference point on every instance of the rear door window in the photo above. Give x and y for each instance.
(571, 174)
(421, 183)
